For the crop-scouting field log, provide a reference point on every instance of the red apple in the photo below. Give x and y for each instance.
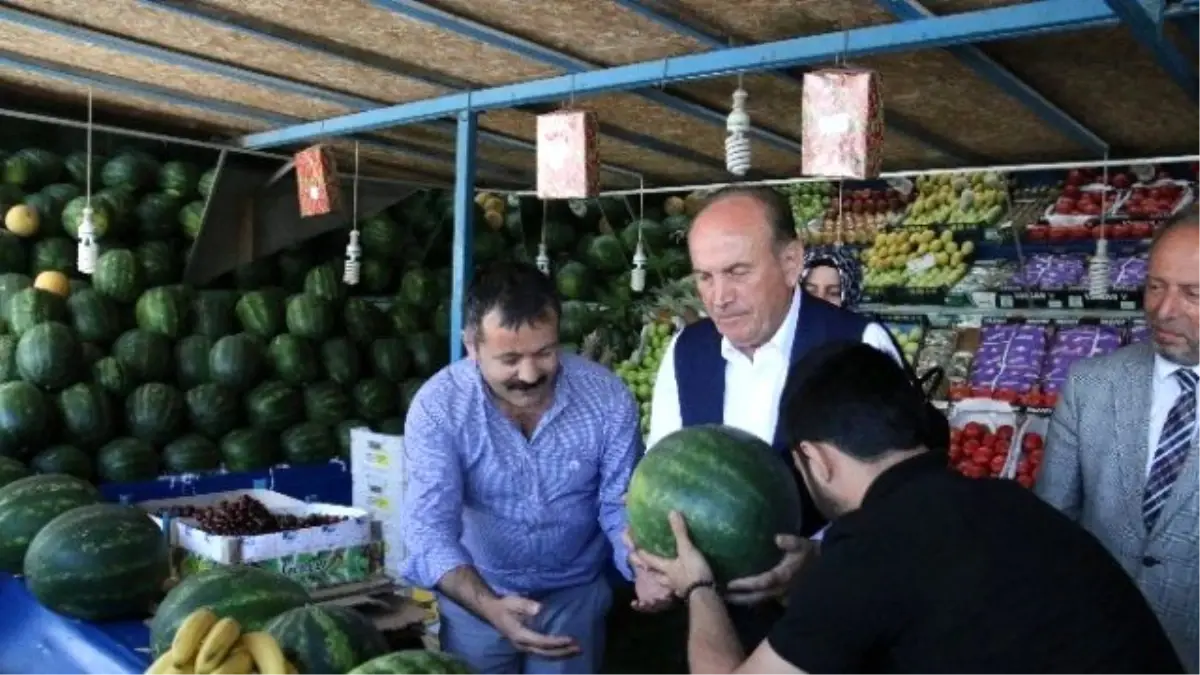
(1005, 431)
(974, 431)
(1032, 441)
(1065, 206)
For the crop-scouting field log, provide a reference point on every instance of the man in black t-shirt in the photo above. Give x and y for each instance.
(922, 570)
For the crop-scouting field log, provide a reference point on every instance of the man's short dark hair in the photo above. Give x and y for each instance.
(855, 398)
(1189, 217)
(519, 291)
(779, 211)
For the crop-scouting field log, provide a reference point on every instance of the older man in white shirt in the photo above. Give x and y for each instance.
(731, 367)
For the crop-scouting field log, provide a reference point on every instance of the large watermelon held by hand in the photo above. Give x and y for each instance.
(412, 661)
(734, 490)
(326, 638)
(27, 504)
(250, 595)
(98, 562)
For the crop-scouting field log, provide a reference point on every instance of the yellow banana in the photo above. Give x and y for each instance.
(161, 664)
(239, 662)
(217, 645)
(190, 634)
(268, 657)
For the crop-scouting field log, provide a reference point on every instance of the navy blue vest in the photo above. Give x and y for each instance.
(700, 374)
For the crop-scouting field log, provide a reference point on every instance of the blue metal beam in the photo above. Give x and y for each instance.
(361, 57)
(1044, 16)
(419, 11)
(464, 227)
(1007, 81)
(1146, 26)
(895, 121)
(88, 78)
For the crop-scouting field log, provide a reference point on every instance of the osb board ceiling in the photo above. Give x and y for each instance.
(1099, 77)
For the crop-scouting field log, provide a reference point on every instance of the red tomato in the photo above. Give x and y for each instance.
(964, 466)
(1032, 441)
(1005, 431)
(973, 471)
(1025, 480)
(997, 464)
(982, 456)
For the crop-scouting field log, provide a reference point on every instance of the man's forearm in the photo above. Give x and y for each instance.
(713, 645)
(464, 586)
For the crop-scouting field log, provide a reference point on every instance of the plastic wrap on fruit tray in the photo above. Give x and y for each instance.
(984, 276)
(937, 352)
(1009, 357)
(1160, 199)
(1073, 344)
(1050, 272)
(1127, 274)
(1138, 332)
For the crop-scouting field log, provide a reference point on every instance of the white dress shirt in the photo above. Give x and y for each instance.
(753, 385)
(1165, 390)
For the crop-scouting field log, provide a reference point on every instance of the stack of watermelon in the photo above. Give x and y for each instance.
(128, 374)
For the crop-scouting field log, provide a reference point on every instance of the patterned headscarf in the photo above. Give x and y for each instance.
(847, 267)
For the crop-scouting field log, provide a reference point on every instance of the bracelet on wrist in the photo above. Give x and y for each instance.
(695, 586)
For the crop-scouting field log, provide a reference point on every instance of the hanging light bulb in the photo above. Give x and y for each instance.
(737, 142)
(1098, 265)
(543, 259)
(87, 254)
(353, 260)
(637, 277)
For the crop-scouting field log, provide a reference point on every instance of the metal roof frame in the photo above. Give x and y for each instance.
(1145, 19)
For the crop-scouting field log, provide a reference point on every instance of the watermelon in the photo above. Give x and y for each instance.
(412, 661)
(89, 353)
(159, 263)
(191, 360)
(261, 313)
(121, 203)
(191, 219)
(374, 399)
(8, 358)
(10, 282)
(605, 254)
(13, 259)
(156, 215)
(99, 562)
(404, 319)
(77, 166)
(191, 453)
(118, 275)
(30, 306)
(126, 460)
(428, 353)
(112, 376)
(235, 361)
(573, 281)
(274, 406)
(213, 409)
(375, 276)
(11, 470)
(67, 460)
(87, 414)
(23, 414)
(178, 179)
(129, 170)
(49, 213)
(364, 321)
(207, 180)
(389, 358)
(735, 491)
(408, 391)
(72, 216)
(144, 356)
(310, 316)
(213, 314)
(27, 504)
(326, 403)
(254, 275)
(417, 290)
(324, 282)
(53, 254)
(160, 310)
(341, 361)
(293, 359)
(48, 355)
(249, 449)
(381, 238)
(308, 443)
(342, 435)
(94, 317)
(154, 412)
(326, 638)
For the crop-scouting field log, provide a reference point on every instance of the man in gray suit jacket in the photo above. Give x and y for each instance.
(1121, 456)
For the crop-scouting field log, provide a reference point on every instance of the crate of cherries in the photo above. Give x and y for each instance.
(245, 516)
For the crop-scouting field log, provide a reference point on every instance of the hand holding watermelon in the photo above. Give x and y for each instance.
(775, 582)
(687, 570)
(510, 614)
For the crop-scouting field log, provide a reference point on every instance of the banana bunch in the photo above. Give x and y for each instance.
(206, 645)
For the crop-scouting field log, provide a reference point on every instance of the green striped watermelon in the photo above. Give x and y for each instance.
(159, 263)
(11, 282)
(154, 412)
(13, 258)
(8, 358)
(412, 661)
(310, 316)
(404, 320)
(733, 488)
(160, 310)
(30, 306)
(98, 563)
(72, 216)
(375, 276)
(68, 460)
(213, 410)
(191, 219)
(178, 179)
(341, 361)
(250, 595)
(389, 358)
(10, 470)
(87, 414)
(261, 313)
(24, 414)
(94, 317)
(77, 165)
(325, 282)
(191, 453)
(48, 355)
(155, 215)
(274, 406)
(249, 449)
(119, 275)
(364, 321)
(308, 443)
(191, 360)
(55, 254)
(212, 313)
(417, 289)
(382, 239)
(326, 638)
(235, 361)
(127, 460)
(112, 376)
(374, 399)
(408, 391)
(89, 354)
(326, 403)
(293, 359)
(27, 504)
(146, 356)
(428, 353)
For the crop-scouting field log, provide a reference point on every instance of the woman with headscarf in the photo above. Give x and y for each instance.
(833, 275)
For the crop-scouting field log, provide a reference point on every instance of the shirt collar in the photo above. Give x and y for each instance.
(902, 472)
(1164, 369)
(783, 338)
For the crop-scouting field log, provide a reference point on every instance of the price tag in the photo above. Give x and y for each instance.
(1075, 301)
(984, 299)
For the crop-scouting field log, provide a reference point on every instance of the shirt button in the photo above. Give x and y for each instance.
(1150, 561)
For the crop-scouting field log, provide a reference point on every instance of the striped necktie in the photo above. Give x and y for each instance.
(1173, 444)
